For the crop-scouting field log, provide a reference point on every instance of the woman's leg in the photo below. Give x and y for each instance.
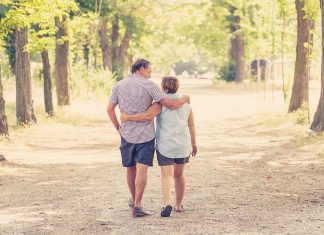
(179, 183)
(166, 176)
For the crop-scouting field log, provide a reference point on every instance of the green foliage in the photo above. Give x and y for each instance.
(38, 16)
(227, 72)
(312, 9)
(90, 83)
(101, 7)
(9, 46)
(302, 114)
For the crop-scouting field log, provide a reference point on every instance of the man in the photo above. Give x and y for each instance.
(133, 95)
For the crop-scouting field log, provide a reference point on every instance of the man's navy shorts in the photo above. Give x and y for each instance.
(137, 153)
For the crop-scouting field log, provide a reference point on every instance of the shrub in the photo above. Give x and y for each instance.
(227, 72)
(302, 114)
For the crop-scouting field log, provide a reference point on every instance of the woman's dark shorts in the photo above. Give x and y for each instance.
(137, 153)
(166, 161)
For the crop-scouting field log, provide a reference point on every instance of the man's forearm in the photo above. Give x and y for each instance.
(113, 119)
(111, 110)
(174, 103)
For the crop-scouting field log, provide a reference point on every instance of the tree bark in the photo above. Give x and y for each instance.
(239, 60)
(61, 62)
(24, 109)
(47, 84)
(86, 53)
(122, 53)
(318, 121)
(115, 47)
(300, 89)
(4, 130)
(104, 44)
(237, 47)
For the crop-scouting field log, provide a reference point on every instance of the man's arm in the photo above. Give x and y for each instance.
(175, 103)
(112, 114)
(152, 112)
(192, 130)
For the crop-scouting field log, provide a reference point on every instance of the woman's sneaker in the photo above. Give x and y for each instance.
(166, 212)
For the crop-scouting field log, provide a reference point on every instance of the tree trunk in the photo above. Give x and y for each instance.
(122, 53)
(86, 53)
(4, 130)
(318, 122)
(61, 62)
(47, 84)
(106, 52)
(305, 27)
(239, 60)
(24, 109)
(237, 47)
(115, 49)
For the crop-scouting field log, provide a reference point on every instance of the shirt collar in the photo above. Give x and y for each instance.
(135, 75)
(172, 96)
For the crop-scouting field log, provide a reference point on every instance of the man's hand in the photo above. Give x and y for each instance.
(187, 98)
(194, 150)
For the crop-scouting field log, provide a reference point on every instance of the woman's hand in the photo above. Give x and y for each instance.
(123, 117)
(194, 150)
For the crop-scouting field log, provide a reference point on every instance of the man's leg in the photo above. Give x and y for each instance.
(140, 183)
(179, 183)
(131, 176)
(166, 175)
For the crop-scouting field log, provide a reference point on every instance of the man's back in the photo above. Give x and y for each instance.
(134, 95)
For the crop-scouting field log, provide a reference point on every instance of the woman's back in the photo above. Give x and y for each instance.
(172, 131)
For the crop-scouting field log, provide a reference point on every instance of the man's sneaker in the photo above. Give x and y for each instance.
(140, 212)
(131, 203)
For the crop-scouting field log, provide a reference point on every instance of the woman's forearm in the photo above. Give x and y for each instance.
(192, 129)
(140, 117)
(152, 112)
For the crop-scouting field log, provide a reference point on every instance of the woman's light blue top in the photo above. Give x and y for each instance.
(172, 131)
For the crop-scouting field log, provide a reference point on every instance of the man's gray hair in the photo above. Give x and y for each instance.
(138, 64)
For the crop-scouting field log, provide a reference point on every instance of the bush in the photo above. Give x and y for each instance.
(92, 82)
(227, 72)
(302, 114)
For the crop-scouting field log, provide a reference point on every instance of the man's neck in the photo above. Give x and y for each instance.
(139, 74)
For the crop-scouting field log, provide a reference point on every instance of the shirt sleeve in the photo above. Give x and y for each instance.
(114, 94)
(156, 92)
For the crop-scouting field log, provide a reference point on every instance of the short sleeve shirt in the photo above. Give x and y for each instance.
(134, 95)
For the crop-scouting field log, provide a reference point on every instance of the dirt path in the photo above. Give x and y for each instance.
(246, 179)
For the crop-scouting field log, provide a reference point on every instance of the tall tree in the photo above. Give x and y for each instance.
(24, 109)
(20, 19)
(47, 83)
(305, 30)
(4, 130)
(236, 53)
(104, 44)
(318, 121)
(61, 61)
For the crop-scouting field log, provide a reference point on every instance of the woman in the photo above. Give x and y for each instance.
(175, 142)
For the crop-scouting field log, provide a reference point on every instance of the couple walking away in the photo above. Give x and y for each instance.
(140, 100)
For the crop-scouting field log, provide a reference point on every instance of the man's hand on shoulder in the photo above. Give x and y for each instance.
(186, 98)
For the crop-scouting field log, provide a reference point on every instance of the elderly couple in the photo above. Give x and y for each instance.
(139, 101)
